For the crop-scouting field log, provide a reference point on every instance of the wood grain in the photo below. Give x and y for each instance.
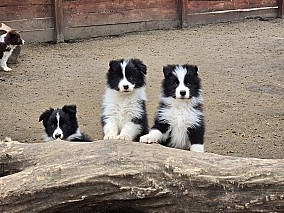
(122, 175)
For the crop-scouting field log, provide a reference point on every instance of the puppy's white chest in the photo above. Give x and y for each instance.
(180, 116)
(122, 107)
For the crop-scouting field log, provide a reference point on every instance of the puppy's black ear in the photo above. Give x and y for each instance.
(69, 109)
(113, 65)
(168, 70)
(2, 32)
(191, 69)
(45, 115)
(140, 65)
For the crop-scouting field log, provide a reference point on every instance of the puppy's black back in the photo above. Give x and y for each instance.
(142, 121)
(82, 138)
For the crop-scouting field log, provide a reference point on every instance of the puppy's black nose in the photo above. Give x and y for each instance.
(57, 136)
(125, 87)
(182, 93)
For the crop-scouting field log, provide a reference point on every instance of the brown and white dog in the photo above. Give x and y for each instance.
(9, 40)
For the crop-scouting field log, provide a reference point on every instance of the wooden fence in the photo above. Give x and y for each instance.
(62, 20)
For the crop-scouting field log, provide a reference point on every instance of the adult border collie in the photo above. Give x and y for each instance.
(62, 124)
(9, 40)
(179, 121)
(124, 114)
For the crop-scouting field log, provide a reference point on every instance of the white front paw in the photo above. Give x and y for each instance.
(123, 138)
(6, 69)
(147, 139)
(197, 148)
(109, 137)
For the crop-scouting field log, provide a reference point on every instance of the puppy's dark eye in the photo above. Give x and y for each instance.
(188, 84)
(175, 83)
(52, 126)
(131, 77)
(64, 125)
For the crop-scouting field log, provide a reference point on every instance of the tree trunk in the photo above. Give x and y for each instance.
(118, 176)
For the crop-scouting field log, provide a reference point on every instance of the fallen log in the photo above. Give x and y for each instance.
(118, 176)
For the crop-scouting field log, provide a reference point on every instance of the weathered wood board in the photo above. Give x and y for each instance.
(61, 20)
(116, 176)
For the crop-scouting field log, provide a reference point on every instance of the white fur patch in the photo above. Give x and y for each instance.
(154, 136)
(180, 73)
(124, 85)
(118, 111)
(6, 56)
(197, 148)
(180, 116)
(58, 130)
(2, 38)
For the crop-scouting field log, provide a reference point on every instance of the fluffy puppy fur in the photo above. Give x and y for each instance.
(124, 114)
(179, 121)
(62, 124)
(9, 40)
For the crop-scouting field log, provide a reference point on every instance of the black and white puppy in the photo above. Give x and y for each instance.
(9, 40)
(124, 114)
(179, 121)
(62, 124)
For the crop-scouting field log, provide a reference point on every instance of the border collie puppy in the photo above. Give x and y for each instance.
(124, 114)
(179, 121)
(62, 124)
(9, 40)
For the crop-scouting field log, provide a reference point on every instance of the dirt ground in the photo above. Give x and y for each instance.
(241, 65)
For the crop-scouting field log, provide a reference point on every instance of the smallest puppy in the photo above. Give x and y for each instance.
(9, 40)
(62, 124)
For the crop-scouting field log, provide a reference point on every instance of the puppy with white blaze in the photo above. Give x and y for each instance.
(179, 121)
(62, 124)
(124, 114)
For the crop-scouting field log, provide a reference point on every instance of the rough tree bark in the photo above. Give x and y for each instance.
(117, 176)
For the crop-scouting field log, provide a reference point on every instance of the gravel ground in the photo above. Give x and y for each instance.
(241, 65)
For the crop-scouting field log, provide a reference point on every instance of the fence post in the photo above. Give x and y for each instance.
(58, 21)
(183, 13)
(281, 8)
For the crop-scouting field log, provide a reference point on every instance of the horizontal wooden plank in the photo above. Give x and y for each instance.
(31, 24)
(96, 6)
(5, 3)
(25, 12)
(117, 29)
(216, 5)
(37, 36)
(89, 19)
(211, 17)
